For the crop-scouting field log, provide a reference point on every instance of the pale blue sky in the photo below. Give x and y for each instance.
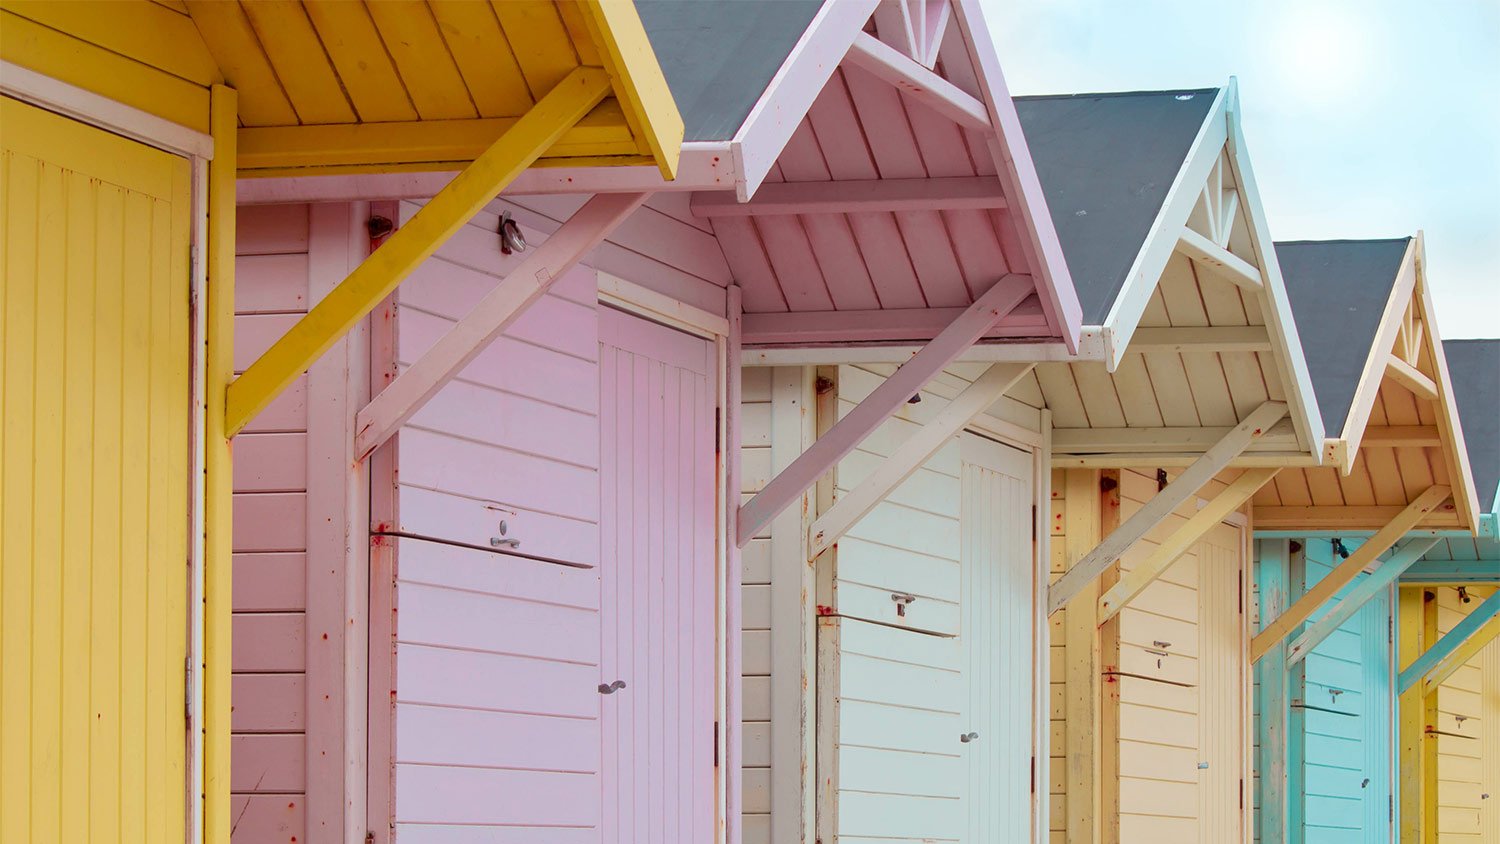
(1363, 119)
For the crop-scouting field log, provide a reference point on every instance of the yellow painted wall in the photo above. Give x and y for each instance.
(1468, 724)
(94, 483)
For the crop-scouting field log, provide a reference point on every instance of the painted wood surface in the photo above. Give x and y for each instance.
(269, 686)
(94, 478)
(1468, 714)
(659, 582)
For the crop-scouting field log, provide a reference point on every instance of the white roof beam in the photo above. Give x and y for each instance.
(909, 457)
(1231, 266)
(865, 417)
(947, 194)
(1163, 440)
(918, 82)
(1159, 507)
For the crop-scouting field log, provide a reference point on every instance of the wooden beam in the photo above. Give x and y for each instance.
(1164, 440)
(1376, 582)
(1346, 571)
(1195, 476)
(911, 454)
(1227, 216)
(1444, 657)
(1452, 572)
(1399, 436)
(1411, 378)
(413, 243)
(1234, 268)
(1354, 517)
(918, 82)
(892, 393)
(1274, 576)
(909, 325)
(1084, 709)
(639, 84)
(1135, 581)
(1144, 460)
(499, 308)
(1416, 616)
(1228, 338)
(864, 195)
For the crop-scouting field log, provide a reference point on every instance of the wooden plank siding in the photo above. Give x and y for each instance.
(1468, 716)
(269, 688)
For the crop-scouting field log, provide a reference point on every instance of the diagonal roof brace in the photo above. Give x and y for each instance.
(849, 509)
(963, 332)
(1465, 640)
(1163, 503)
(1383, 576)
(1346, 571)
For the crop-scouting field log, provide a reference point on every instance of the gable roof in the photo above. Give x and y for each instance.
(1339, 290)
(1106, 163)
(720, 55)
(1474, 367)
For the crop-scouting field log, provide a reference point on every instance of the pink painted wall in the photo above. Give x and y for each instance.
(269, 773)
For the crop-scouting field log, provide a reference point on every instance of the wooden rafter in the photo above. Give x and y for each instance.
(973, 323)
(1346, 571)
(947, 194)
(1162, 440)
(909, 457)
(1194, 477)
(1185, 537)
(1376, 582)
(1411, 378)
(1231, 266)
(413, 243)
(499, 308)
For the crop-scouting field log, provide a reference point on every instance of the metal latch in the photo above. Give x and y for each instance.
(611, 688)
(1160, 652)
(968, 737)
(501, 542)
(902, 601)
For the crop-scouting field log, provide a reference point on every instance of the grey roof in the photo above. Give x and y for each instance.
(1474, 368)
(1338, 290)
(1106, 162)
(719, 55)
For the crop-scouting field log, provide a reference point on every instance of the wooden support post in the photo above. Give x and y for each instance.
(218, 558)
(1443, 657)
(788, 485)
(1411, 724)
(911, 454)
(1192, 478)
(1346, 571)
(1081, 691)
(499, 308)
(1182, 539)
(1274, 575)
(1108, 784)
(1373, 585)
(413, 243)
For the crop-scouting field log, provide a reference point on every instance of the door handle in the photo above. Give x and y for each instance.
(611, 688)
(968, 737)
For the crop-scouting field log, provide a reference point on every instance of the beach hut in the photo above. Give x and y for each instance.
(1190, 395)
(1449, 682)
(1332, 540)
(124, 128)
(554, 616)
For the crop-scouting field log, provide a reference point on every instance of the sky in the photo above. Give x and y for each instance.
(1362, 119)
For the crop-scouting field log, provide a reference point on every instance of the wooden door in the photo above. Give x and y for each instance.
(660, 582)
(95, 398)
(997, 640)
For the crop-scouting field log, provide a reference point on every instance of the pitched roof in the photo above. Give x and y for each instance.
(1339, 290)
(719, 55)
(1106, 162)
(1474, 368)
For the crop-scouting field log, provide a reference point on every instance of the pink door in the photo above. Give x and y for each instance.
(658, 580)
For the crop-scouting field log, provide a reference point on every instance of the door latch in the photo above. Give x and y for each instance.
(611, 688)
(968, 737)
(501, 542)
(902, 602)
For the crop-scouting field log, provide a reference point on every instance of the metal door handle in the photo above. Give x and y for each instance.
(611, 688)
(968, 737)
(502, 542)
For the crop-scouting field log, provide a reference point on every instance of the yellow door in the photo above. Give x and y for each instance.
(94, 482)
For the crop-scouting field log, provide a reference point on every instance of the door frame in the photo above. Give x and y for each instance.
(86, 107)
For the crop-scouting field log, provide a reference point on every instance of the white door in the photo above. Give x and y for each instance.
(997, 640)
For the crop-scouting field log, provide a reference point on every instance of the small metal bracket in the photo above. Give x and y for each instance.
(1339, 548)
(902, 602)
(1161, 479)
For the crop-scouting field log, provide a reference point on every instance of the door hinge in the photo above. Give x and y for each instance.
(1390, 807)
(187, 690)
(1390, 630)
(1033, 523)
(1033, 775)
(1242, 596)
(1242, 794)
(716, 744)
(718, 430)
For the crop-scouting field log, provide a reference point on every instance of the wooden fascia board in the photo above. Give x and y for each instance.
(702, 167)
(638, 82)
(791, 92)
(1276, 303)
(1162, 238)
(1013, 163)
(1460, 473)
(848, 197)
